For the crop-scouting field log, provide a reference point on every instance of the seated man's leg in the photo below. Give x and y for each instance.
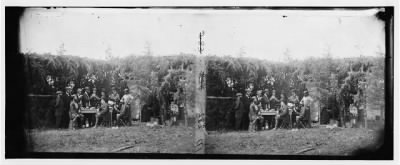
(75, 121)
(299, 121)
(277, 118)
(123, 114)
(100, 115)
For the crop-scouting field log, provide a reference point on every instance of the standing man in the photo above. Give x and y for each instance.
(79, 97)
(67, 98)
(274, 101)
(94, 99)
(333, 108)
(86, 98)
(59, 109)
(126, 107)
(246, 103)
(260, 122)
(179, 99)
(259, 98)
(86, 105)
(239, 110)
(265, 105)
(265, 100)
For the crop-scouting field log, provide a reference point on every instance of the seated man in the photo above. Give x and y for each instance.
(75, 116)
(113, 111)
(305, 111)
(283, 114)
(253, 114)
(102, 113)
(125, 110)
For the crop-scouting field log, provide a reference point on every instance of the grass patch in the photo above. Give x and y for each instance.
(324, 141)
(142, 138)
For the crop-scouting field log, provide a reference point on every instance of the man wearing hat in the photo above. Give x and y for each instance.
(265, 105)
(239, 110)
(59, 109)
(86, 98)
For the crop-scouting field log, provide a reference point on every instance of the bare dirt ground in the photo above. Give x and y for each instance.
(134, 139)
(313, 141)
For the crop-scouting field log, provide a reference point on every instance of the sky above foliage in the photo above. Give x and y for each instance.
(266, 34)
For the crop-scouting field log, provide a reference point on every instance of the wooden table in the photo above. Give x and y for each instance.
(269, 115)
(88, 110)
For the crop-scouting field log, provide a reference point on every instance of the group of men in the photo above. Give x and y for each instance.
(70, 105)
(248, 110)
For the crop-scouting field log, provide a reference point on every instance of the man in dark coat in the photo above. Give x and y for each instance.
(239, 110)
(60, 108)
(86, 98)
(246, 103)
(274, 101)
(265, 100)
(67, 97)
